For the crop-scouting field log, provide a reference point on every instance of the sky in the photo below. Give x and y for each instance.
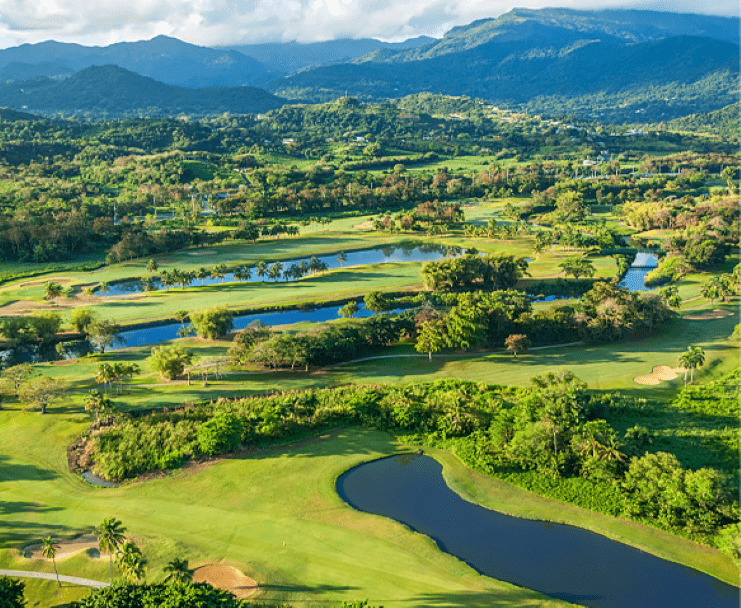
(220, 22)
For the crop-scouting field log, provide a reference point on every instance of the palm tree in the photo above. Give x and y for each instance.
(130, 560)
(110, 538)
(314, 264)
(692, 358)
(697, 357)
(202, 274)
(49, 551)
(52, 291)
(276, 271)
(262, 269)
(181, 315)
(178, 571)
(293, 271)
(341, 257)
(712, 290)
(148, 284)
(152, 266)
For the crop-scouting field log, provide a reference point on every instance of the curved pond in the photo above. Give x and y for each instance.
(411, 252)
(162, 333)
(561, 561)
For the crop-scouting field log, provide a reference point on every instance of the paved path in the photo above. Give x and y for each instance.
(50, 576)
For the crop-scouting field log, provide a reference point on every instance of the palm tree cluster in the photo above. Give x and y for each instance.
(129, 558)
(108, 373)
(690, 360)
(722, 286)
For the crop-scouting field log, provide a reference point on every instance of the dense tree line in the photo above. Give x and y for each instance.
(324, 345)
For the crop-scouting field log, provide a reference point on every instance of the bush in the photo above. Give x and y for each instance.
(178, 595)
(220, 434)
(212, 323)
(170, 361)
(11, 593)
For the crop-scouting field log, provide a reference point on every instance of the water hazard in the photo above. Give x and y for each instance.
(411, 252)
(561, 561)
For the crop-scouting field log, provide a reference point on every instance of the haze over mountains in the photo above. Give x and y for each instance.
(617, 65)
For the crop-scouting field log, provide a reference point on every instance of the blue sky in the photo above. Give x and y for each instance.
(215, 22)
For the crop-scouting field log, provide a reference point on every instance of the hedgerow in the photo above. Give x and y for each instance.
(549, 438)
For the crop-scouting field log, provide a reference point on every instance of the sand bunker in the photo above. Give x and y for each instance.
(227, 578)
(709, 315)
(659, 373)
(203, 252)
(37, 283)
(67, 547)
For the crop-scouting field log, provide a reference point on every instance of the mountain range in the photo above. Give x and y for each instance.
(111, 91)
(613, 65)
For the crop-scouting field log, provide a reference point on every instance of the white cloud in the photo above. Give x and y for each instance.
(212, 22)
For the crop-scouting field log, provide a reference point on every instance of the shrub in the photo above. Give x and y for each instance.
(170, 361)
(212, 323)
(220, 434)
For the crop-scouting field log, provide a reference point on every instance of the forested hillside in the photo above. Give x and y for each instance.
(112, 91)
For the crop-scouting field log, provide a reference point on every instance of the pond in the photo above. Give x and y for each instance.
(409, 252)
(561, 561)
(635, 278)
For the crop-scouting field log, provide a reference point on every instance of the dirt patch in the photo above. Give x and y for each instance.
(86, 542)
(227, 578)
(709, 315)
(203, 252)
(65, 362)
(658, 373)
(364, 225)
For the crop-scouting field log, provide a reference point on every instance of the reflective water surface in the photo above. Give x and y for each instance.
(561, 561)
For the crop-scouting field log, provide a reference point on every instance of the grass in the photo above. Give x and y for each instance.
(342, 282)
(239, 511)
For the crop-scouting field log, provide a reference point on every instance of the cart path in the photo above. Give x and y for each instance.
(50, 576)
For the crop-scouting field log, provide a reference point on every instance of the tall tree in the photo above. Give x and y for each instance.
(41, 393)
(517, 343)
(104, 333)
(110, 538)
(49, 551)
(377, 302)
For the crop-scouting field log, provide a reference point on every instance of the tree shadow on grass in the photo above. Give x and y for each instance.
(22, 472)
(24, 507)
(15, 534)
(475, 599)
(316, 589)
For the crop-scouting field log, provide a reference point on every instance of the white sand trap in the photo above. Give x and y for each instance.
(709, 315)
(203, 252)
(659, 373)
(66, 547)
(227, 578)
